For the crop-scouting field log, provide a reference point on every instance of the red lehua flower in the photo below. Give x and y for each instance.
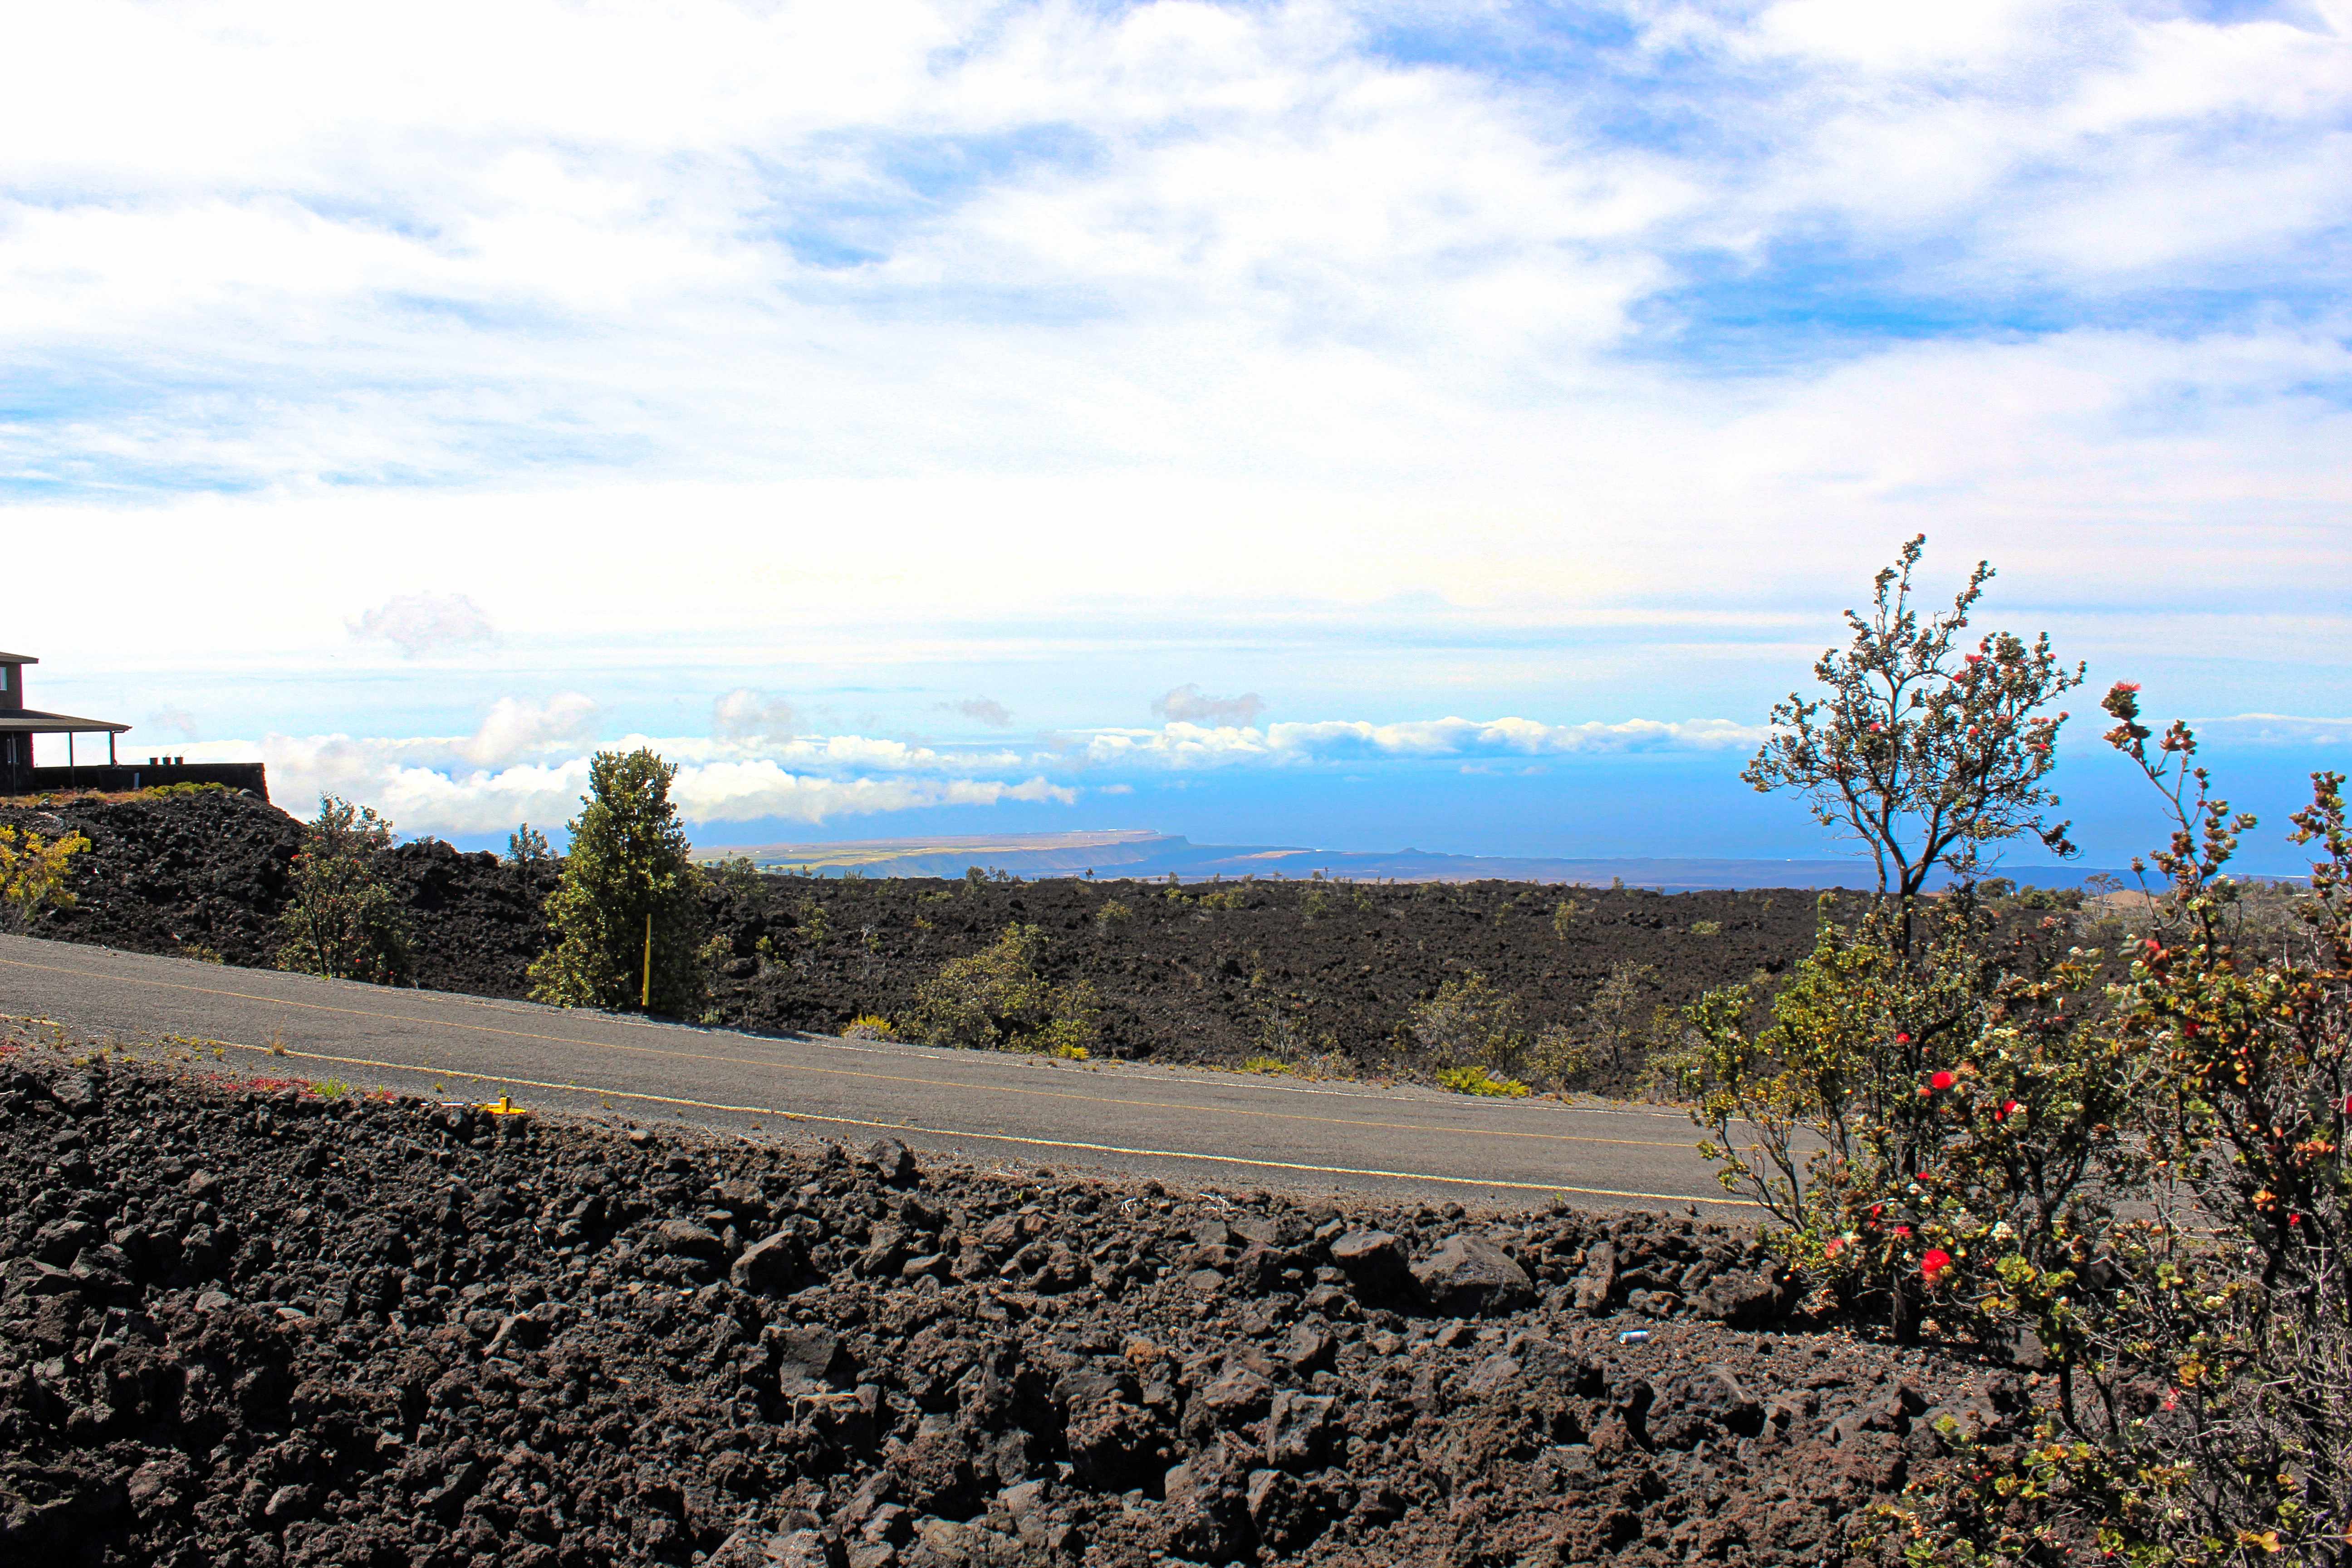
(1902, 1230)
(1834, 1246)
(2347, 1105)
(1933, 1263)
(2008, 1108)
(2126, 686)
(1943, 1080)
(1901, 1038)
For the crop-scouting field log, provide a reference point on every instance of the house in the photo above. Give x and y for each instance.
(19, 724)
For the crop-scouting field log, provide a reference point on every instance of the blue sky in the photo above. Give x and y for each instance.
(1475, 415)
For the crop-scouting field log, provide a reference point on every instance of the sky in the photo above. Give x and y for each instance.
(1451, 426)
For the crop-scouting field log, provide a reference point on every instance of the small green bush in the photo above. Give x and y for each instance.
(527, 846)
(345, 923)
(1478, 1081)
(1469, 1023)
(33, 873)
(997, 1000)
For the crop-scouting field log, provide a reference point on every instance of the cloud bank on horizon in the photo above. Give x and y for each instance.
(791, 375)
(525, 763)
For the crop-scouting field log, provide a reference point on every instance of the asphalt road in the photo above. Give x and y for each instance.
(1188, 1127)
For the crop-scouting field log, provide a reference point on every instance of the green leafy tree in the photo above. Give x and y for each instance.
(628, 863)
(997, 999)
(346, 920)
(1923, 751)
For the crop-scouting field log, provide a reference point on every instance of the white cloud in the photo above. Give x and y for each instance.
(515, 728)
(1182, 745)
(817, 334)
(422, 798)
(517, 767)
(981, 710)
(744, 715)
(179, 720)
(1188, 704)
(424, 623)
(2277, 728)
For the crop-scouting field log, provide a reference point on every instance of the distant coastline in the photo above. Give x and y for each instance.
(1113, 853)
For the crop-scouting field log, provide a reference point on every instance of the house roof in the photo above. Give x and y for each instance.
(27, 722)
(18, 659)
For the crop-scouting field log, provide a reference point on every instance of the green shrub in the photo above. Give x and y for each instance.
(527, 846)
(345, 921)
(1469, 1023)
(816, 925)
(34, 871)
(997, 1000)
(1478, 1081)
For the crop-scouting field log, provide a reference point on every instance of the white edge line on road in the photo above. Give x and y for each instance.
(290, 1055)
(1172, 1073)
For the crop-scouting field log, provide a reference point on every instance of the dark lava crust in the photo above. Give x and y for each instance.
(241, 1325)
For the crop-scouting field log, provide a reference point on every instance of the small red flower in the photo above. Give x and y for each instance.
(1902, 1230)
(1943, 1080)
(2008, 1108)
(1834, 1246)
(1932, 1265)
(1901, 1038)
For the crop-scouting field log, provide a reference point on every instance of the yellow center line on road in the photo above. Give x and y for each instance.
(951, 1084)
(288, 1053)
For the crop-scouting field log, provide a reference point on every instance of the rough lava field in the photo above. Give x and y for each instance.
(246, 1323)
(1219, 975)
